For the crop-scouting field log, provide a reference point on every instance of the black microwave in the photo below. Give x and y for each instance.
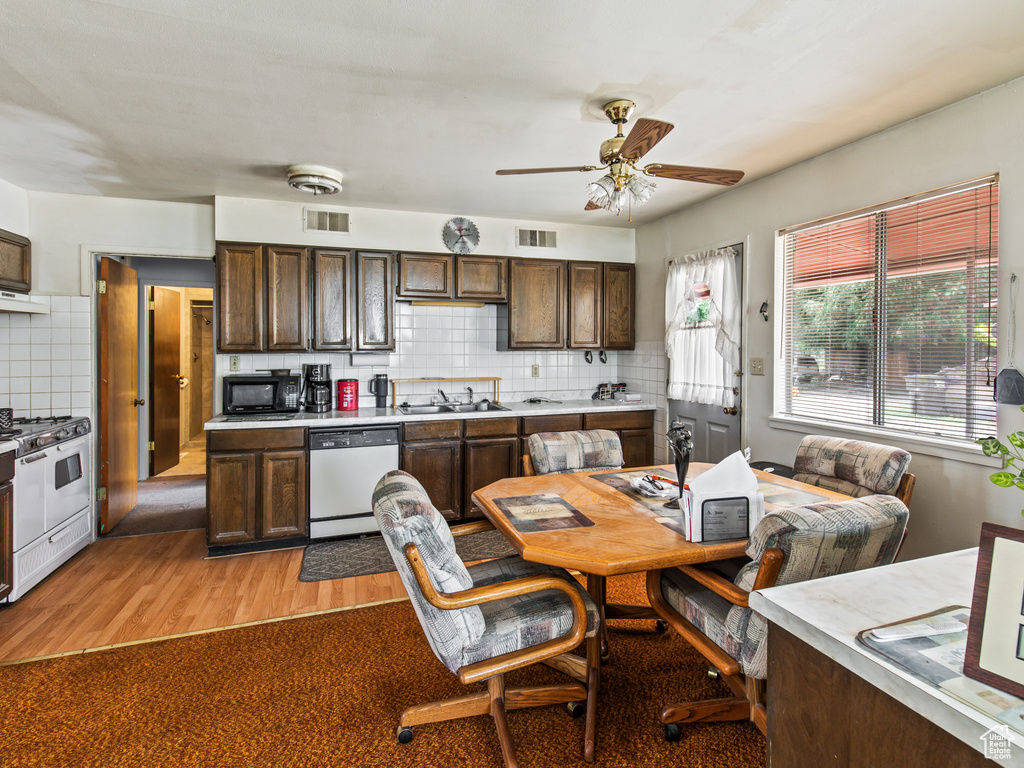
(261, 393)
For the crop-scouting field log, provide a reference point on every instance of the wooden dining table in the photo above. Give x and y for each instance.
(618, 532)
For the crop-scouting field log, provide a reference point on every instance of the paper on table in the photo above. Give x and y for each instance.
(732, 476)
(723, 502)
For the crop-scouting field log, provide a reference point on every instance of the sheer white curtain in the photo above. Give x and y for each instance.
(703, 355)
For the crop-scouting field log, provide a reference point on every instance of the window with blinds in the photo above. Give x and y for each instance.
(889, 315)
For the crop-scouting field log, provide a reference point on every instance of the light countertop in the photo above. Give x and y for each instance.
(393, 416)
(827, 614)
(7, 445)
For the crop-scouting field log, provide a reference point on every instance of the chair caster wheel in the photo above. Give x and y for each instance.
(661, 626)
(576, 709)
(713, 673)
(671, 732)
(404, 735)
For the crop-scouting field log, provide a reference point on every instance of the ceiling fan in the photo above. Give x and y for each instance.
(621, 187)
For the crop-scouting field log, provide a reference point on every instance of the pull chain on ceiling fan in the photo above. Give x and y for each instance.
(621, 187)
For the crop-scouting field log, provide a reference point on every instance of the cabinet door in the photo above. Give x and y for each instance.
(287, 298)
(637, 447)
(482, 278)
(15, 262)
(425, 275)
(375, 302)
(240, 298)
(486, 462)
(586, 282)
(6, 541)
(283, 509)
(231, 498)
(619, 306)
(332, 289)
(439, 469)
(535, 315)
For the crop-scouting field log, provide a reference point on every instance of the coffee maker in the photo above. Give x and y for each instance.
(317, 386)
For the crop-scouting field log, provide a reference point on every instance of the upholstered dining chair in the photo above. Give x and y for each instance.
(575, 451)
(854, 467)
(488, 619)
(787, 546)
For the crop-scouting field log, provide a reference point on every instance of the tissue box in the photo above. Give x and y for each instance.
(721, 518)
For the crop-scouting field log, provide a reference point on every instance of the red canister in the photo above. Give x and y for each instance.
(348, 394)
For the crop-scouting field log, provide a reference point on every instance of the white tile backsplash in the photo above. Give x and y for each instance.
(47, 366)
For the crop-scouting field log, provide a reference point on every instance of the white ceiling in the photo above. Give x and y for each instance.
(417, 103)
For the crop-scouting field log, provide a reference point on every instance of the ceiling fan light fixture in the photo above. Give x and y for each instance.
(641, 189)
(601, 190)
(314, 179)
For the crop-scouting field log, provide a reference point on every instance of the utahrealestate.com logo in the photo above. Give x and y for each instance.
(997, 742)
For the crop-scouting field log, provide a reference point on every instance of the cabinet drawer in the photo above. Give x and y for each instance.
(255, 439)
(430, 430)
(490, 427)
(621, 420)
(562, 422)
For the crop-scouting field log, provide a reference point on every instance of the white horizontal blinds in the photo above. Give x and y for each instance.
(889, 315)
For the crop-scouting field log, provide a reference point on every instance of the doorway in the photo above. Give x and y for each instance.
(168, 332)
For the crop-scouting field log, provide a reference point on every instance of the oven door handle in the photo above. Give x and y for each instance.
(33, 458)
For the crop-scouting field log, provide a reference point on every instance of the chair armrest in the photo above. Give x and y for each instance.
(767, 573)
(467, 528)
(492, 592)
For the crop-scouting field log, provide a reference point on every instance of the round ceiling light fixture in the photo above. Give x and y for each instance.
(315, 179)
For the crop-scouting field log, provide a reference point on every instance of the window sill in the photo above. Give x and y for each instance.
(945, 449)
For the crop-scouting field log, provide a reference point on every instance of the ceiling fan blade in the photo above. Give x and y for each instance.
(721, 176)
(643, 136)
(590, 206)
(514, 171)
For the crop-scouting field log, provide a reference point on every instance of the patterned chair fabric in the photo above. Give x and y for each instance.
(563, 452)
(466, 635)
(816, 540)
(852, 467)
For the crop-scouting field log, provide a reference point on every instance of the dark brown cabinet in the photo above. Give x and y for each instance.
(287, 298)
(635, 430)
(618, 307)
(534, 317)
(425, 275)
(560, 422)
(15, 262)
(374, 302)
(6, 540)
(332, 292)
(490, 453)
(257, 486)
(432, 453)
(481, 278)
(586, 280)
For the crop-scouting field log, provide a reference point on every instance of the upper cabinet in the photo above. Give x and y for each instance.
(585, 290)
(15, 262)
(375, 302)
(240, 310)
(534, 317)
(287, 298)
(444, 276)
(618, 307)
(332, 303)
(481, 278)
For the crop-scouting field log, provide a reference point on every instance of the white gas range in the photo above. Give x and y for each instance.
(52, 496)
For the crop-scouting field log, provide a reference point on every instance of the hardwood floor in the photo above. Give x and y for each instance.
(137, 588)
(192, 460)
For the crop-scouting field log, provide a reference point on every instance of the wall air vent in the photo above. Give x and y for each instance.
(536, 238)
(322, 220)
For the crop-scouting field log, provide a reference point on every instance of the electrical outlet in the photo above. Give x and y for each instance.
(757, 366)
(536, 370)
(235, 362)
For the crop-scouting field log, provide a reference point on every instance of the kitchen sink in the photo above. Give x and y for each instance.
(418, 409)
(465, 407)
(414, 410)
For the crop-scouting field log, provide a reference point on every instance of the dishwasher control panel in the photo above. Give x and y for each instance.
(358, 437)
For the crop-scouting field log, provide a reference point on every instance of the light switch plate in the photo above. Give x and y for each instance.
(757, 366)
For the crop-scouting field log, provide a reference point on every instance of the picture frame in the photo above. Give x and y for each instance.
(995, 634)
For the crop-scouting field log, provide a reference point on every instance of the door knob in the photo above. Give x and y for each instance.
(731, 411)
(139, 402)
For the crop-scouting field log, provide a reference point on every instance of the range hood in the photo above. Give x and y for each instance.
(21, 302)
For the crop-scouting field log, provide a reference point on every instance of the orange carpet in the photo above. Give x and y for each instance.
(327, 690)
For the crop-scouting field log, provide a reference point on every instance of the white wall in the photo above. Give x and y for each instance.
(13, 209)
(270, 221)
(972, 138)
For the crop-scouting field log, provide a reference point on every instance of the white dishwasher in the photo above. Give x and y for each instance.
(345, 464)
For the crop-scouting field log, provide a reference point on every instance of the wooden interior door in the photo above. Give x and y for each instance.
(119, 426)
(165, 375)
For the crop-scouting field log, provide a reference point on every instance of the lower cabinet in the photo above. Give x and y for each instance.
(635, 430)
(490, 452)
(432, 453)
(257, 486)
(6, 540)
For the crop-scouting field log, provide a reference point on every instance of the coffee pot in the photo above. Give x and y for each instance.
(317, 378)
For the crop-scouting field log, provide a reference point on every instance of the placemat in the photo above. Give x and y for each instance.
(620, 482)
(541, 512)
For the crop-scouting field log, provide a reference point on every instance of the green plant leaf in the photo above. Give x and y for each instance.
(1003, 479)
(1016, 439)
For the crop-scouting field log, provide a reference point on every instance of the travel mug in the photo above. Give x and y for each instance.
(378, 386)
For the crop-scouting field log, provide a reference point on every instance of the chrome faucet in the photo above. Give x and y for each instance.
(444, 397)
(470, 390)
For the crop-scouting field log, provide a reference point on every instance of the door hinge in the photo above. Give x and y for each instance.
(152, 446)
(152, 305)
(101, 286)
(101, 493)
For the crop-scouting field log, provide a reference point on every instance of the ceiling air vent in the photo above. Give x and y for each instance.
(321, 220)
(536, 238)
